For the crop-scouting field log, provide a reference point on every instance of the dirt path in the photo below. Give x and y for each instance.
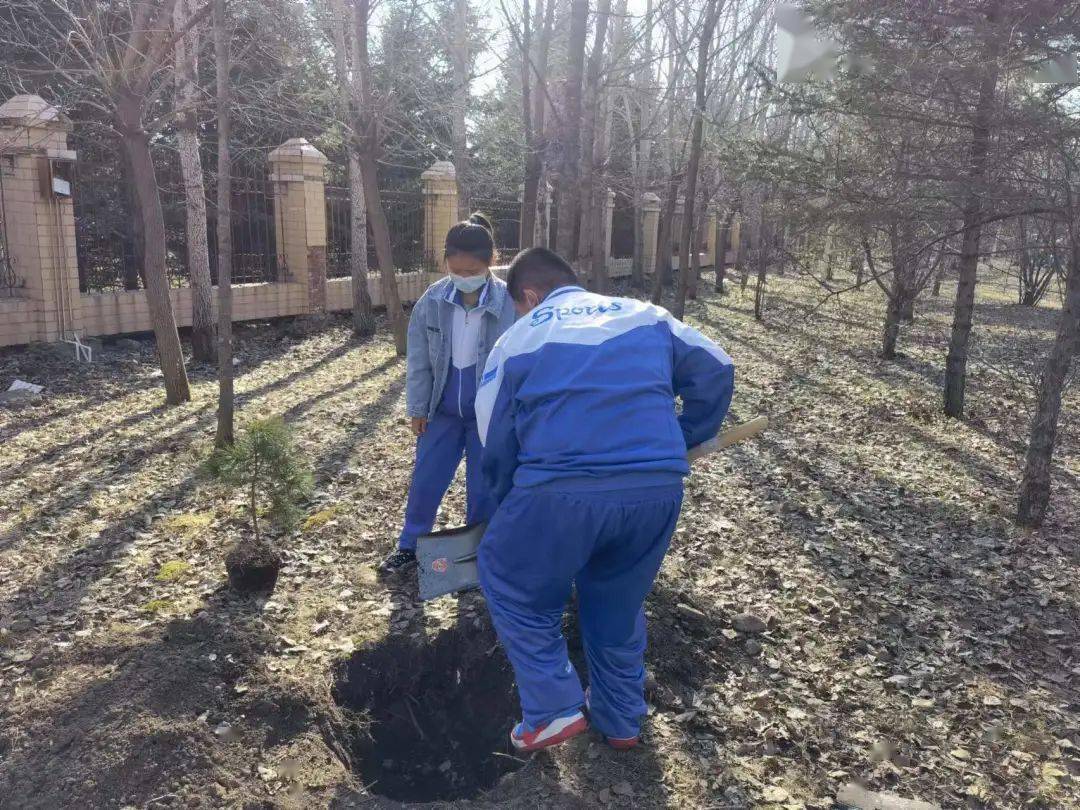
(913, 638)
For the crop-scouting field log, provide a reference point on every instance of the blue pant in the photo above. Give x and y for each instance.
(611, 545)
(438, 453)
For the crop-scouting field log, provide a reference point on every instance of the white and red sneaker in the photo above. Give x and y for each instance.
(557, 731)
(618, 743)
(622, 743)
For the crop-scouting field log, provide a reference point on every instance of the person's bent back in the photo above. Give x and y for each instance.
(585, 454)
(581, 391)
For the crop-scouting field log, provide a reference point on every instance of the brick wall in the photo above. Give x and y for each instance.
(41, 239)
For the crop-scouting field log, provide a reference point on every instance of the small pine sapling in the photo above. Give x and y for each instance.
(264, 464)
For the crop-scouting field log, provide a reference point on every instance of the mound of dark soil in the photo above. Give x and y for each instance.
(252, 566)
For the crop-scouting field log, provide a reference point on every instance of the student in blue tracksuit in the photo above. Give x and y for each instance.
(586, 455)
(451, 331)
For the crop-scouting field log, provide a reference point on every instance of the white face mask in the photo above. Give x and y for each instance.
(468, 284)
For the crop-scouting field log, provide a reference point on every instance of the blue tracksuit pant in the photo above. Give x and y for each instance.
(610, 543)
(438, 452)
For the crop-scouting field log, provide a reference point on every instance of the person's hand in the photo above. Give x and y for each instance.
(418, 425)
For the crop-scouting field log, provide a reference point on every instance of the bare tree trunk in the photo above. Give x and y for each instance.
(637, 263)
(956, 360)
(891, 333)
(705, 43)
(459, 55)
(186, 53)
(829, 238)
(569, 175)
(1036, 482)
(363, 316)
(641, 150)
(380, 230)
(939, 277)
(662, 270)
(762, 261)
(535, 228)
(741, 261)
(742, 247)
(531, 184)
(601, 153)
(367, 124)
(226, 400)
(136, 144)
(132, 270)
(591, 197)
(695, 258)
(1024, 258)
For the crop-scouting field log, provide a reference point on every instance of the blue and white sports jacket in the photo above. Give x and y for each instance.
(580, 392)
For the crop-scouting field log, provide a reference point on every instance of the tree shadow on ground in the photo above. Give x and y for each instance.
(60, 587)
(167, 703)
(929, 573)
(199, 414)
(809, 380)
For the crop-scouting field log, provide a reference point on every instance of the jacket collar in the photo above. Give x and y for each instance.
(569, 288)
(492, 295)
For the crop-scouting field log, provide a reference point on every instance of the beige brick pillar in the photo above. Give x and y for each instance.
(36, 173)
(439, 185)
(710, 237)
(650, 216)
(297, 171)
(609, 213)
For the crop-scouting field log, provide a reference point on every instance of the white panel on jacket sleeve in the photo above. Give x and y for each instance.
(488, 391)
(692, 337)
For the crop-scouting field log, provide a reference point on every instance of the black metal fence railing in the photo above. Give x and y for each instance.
(109, 243)
(255, 254)
(505, 216)
(9, 282)
(699, 237)
(622, 228)
(404, 218)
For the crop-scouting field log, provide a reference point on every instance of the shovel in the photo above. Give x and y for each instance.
(446, 560)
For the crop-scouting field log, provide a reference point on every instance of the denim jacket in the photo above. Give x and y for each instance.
(430, 327)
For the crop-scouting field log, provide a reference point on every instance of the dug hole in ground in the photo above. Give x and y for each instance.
(846, 599)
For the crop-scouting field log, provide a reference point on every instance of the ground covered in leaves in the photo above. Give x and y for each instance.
(846, 599)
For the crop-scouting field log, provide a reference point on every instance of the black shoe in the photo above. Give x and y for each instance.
(398, 562)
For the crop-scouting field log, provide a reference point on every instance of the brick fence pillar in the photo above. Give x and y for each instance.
(38, 221)
(735, 240)
(710, 237)
(439, 185)
(298, 177)
(650, 225)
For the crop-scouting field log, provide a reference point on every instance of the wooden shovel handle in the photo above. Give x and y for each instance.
(728, 437)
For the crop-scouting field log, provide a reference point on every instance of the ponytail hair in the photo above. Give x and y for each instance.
(473, 237)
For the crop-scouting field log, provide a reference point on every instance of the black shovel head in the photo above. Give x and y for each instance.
(447, 561)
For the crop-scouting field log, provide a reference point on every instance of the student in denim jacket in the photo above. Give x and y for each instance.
(452, 329)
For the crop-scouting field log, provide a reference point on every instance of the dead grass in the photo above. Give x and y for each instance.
(916, 639)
